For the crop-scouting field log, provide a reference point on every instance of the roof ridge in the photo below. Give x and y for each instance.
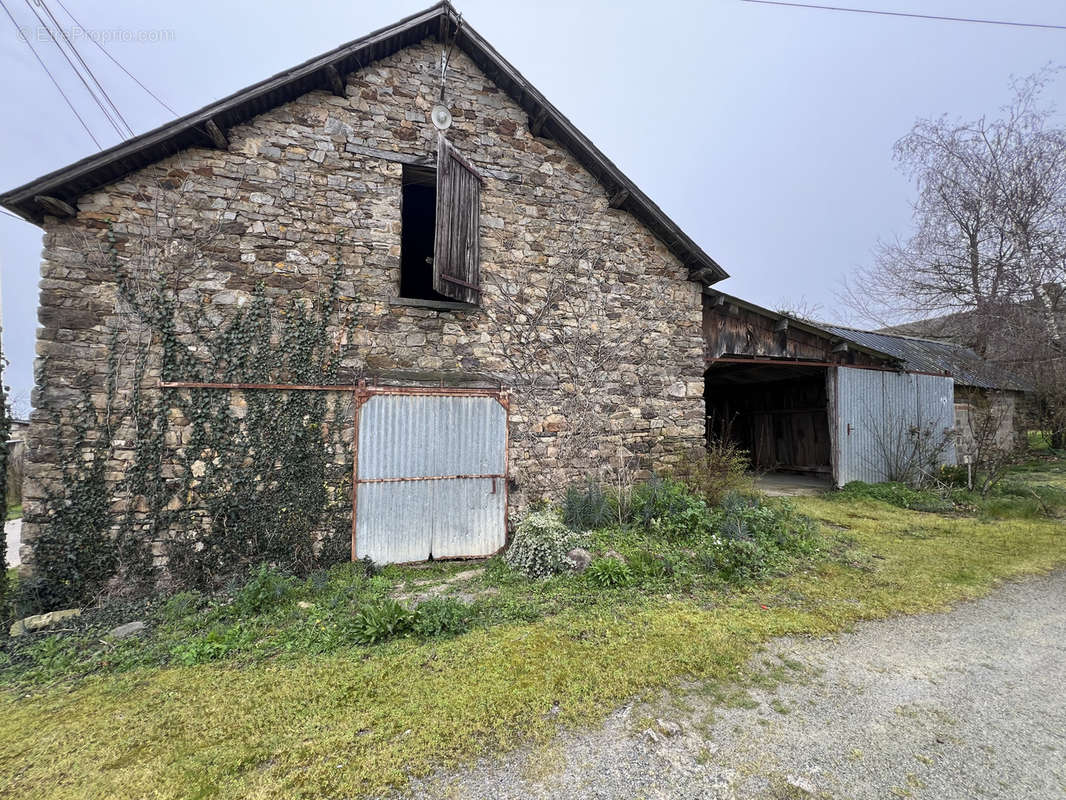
(99, 169)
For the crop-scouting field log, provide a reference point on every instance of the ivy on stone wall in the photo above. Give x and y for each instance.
(219, 480)
(260, 464)
(73, 556)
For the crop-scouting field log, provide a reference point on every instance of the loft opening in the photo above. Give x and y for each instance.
(440, 230)
(418, 217)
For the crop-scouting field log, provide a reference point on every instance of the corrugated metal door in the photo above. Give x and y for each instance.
(936, 408)
(860, 398)
(874, 409)
(430, 477)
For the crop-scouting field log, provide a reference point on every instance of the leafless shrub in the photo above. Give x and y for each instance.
(714, 471)
(908, 453)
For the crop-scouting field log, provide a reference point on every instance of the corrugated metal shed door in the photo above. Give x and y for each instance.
(430, 477)
(875, 408)
(936, 408)
(860, 399)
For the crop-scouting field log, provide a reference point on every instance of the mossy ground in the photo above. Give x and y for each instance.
(356, 721)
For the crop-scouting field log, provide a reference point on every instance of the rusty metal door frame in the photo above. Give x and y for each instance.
(362, 393)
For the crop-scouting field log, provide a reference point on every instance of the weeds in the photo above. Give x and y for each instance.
(1011, 498)
(896, 494)
(441, 616)
(377, 622)
(609, 573)
(266, 589)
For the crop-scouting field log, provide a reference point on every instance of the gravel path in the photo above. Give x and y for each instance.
(969, 704)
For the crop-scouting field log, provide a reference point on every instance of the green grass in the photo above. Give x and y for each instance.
(1033, 489)
(352, 721)
(14, 511)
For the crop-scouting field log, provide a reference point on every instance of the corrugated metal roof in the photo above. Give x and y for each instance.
(927, 355)
(908, 353)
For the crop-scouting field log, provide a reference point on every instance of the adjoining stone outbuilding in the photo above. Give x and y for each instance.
(341, 278)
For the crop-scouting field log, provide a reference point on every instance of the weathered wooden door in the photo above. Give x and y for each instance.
(430, 476)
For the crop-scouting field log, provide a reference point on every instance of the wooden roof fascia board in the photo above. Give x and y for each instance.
(222, 111)
(724, 301)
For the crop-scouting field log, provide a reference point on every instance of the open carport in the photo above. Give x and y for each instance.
(808, 400)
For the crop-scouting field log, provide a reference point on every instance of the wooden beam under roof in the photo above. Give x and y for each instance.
(55, 206)
(335, 80)
(537, 121)
(618, 198)
(218, 138)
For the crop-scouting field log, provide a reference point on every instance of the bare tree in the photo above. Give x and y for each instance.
(800, 308)
(989, 239)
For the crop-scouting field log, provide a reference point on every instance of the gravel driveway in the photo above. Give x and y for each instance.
(969, 704)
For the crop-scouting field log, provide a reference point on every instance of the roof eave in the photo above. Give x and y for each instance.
(69, 183)
(802, 325)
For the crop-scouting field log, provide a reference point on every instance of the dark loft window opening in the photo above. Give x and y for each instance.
(418, 216)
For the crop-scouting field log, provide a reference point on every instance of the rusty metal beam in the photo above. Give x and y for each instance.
(431, 478)
(286, 387)
(777, 362)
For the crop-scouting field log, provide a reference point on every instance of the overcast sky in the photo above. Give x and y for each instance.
(764, 131)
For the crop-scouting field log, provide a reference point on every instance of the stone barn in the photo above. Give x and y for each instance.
(368, 305)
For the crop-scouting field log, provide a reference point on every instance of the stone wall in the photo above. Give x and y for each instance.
(307, 198)
(996, 418)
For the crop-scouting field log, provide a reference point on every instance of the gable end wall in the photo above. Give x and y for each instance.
(300, 187)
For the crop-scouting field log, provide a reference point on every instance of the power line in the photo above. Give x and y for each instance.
(117, 63)
(906, 14)
(52, 77)
(77, 72)
(84, 65)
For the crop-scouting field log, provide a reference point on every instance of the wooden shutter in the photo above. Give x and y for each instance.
(456, 261)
